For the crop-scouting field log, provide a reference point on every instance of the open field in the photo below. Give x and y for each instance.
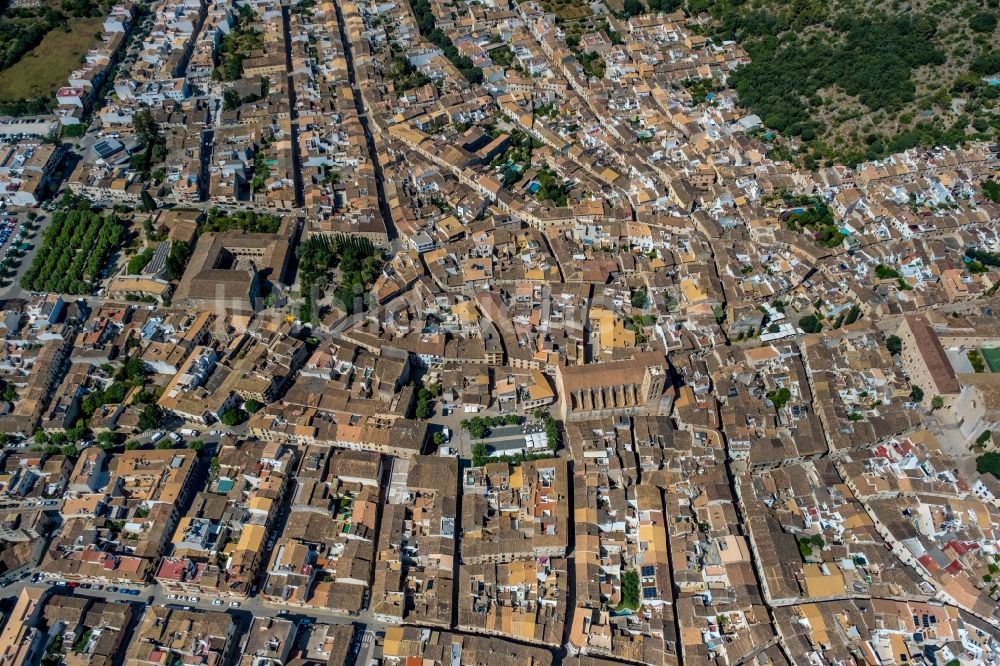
(44, 69)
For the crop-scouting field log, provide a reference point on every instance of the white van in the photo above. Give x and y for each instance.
(157, 436)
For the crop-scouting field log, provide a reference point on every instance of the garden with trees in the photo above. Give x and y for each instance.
(593, 64)
(405, 75)
(249, 221)
(356, 260)
(984, 257)
(74, 250)
(818, 221)
(236, 46)
(551, 187)
(427, 25)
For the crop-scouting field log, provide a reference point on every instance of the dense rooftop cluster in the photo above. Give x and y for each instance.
(466, 333)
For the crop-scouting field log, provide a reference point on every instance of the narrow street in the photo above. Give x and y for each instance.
(293, 112)
(365, 125)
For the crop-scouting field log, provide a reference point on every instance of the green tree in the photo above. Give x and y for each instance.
(8, 392)
(984, 437)
(989, 463)
(551, 433)
(438, 438)
(233, 416)
(630, 591)
(991, 190)
(132, 445)
(476, 427)
(884, 272)
(151, 417)
(480, 454)
(633, 8)
(937, 402)
(780, 397)
(196, 445)
(423, 410)
(810, 324)
(640, 299)
(916, 394)
(177, 259)
(165, 444)
(134, 371)
(146, 202)
(894, 344)
(983, 22)
(139, 261)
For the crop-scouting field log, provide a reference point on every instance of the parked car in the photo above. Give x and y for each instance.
(157, 436)
(217, 602)
(234, 604)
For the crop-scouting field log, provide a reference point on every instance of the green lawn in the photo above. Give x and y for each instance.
(44, 69)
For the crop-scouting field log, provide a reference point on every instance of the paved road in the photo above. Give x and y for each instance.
(293, 110)
(254, 607)
(362, 111)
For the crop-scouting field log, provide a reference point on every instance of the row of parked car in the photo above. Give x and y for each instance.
(7, 227)
(194, 599)
(72, 584)
(158, 435)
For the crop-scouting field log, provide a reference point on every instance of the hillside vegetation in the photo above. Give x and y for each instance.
(849, 80)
